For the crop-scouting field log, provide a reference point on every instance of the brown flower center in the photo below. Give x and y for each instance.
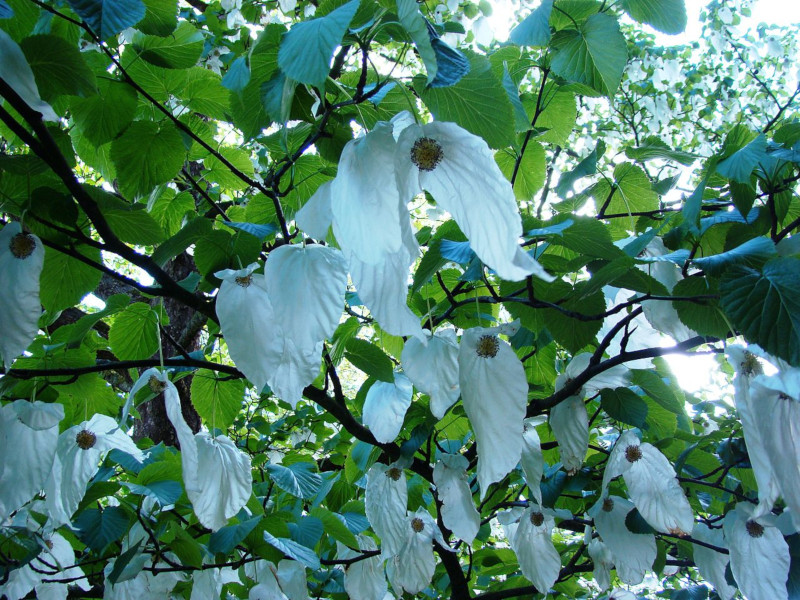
(537, 518)
(394, 473)
(417, 524)
(783, 396)
(633, 453)
(426, 153)
(755, 530)
(22, 245)
(750, 365)
(488, 345)
(608, 505)
(244, 281)
(85, 439)
(156, 385)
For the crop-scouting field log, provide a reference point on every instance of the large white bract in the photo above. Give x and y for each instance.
(532, 542)
(364, 579)
(386, 503)
(712, 564)
(386, 406)
(458, 512)
(16, 72)
(433, 368)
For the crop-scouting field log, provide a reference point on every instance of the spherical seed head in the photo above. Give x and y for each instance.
(537, 518)
(22, 245)
(49, 544)
(750, 365)
(633, 453)
(85, 439)
(782, 396)
(487, 347)
(608, 505)
(755, 530)
(426, 153)
(394, 473)
(156, 385)
(244, 281)
(417, 524)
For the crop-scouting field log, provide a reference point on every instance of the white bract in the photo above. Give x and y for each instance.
(216, 474)
(570, 424)
(386, 503)
(758, 553)
(632, 553)
(28, 438)
(712, 564)
(747, 369)
(207, 583)
(16, 72)
(415, 563)
(532, 460)
(603, 563)
(145, 586)
(21, 262)
(458, 512)
(315, 216)
(433, 368)
(458, 169)
(532, 542)
(385, 407)
(652, 484)
(494, 390)
(364, 579)
(78, 454)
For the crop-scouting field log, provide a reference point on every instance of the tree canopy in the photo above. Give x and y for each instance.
(349, 299)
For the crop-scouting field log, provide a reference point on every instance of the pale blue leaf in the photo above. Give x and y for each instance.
(535, 29)
(6, 12)
(307, 49)
(165, 492)
(260, 231)
(457, 252)
(307, 531)
(238, 75)
(521, 122)
(226, 539)
(557, 229)
(753, 253)
(97, 529)
(294, 550)
(451, 65)
(739, 165)
(108, 17)
(298, 479)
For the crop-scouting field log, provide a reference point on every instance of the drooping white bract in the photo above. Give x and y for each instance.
(532, 460)
(747, 369)
(207, 583)
(316, 215)
(712, 564)
(78, 454)
(459, 171)
(386, 504)
(433, 368)
(632, 553)
(532, 543)
(603, 563)
(570, 424)
(777, 400)
(16, 72)
(494, 390)
(385, 407)
(458, 512)
(28, 438)
(364, 579)
(21, 261)
(618, 376)
(56, 554)
(245, 312)
(306, 286)
(145, 586)
(292, 579)
(621, 594)
(652, 484)
(641, 334)
(759, 555)
(287, 581)
(415, 563)
(216, 474)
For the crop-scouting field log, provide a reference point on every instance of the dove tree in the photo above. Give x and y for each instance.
(363, 299)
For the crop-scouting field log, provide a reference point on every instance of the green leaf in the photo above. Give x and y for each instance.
(294, 550)
(131, 223)
(594, 55)
(187, 549)
(369, 358)
(414, 23)
(299, 479)
(624, 406)
(703, 315)
(631, 191)
(531, 173)
(217, 400)
(478, 103)
(203, 93)
(169, 208)
(226, 539)
(180, 50)
(666, 16)
(534, 30)
(122, 562)
(146, 155)
(98, 528)
(192, 232)
(221, 174)
(161, 17)
(765, 305)
(65, 280)
(219, 250)
(156, 81)
(103, 116)
(590, 237)
(558, 112)
(335, 526)
(134, 333)
(753, 253)
(654, 147)
(114, 304)
(657, 390)
(58, 67)
(307, 49)
(164, 492)
(588, 166)
(739, 165)
(109, 17)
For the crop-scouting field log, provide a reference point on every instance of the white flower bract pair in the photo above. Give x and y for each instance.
(275, 323)
(16, 72)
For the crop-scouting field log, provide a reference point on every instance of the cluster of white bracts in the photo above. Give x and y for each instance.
(299, 298)
(529, 532)
(378, 174)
